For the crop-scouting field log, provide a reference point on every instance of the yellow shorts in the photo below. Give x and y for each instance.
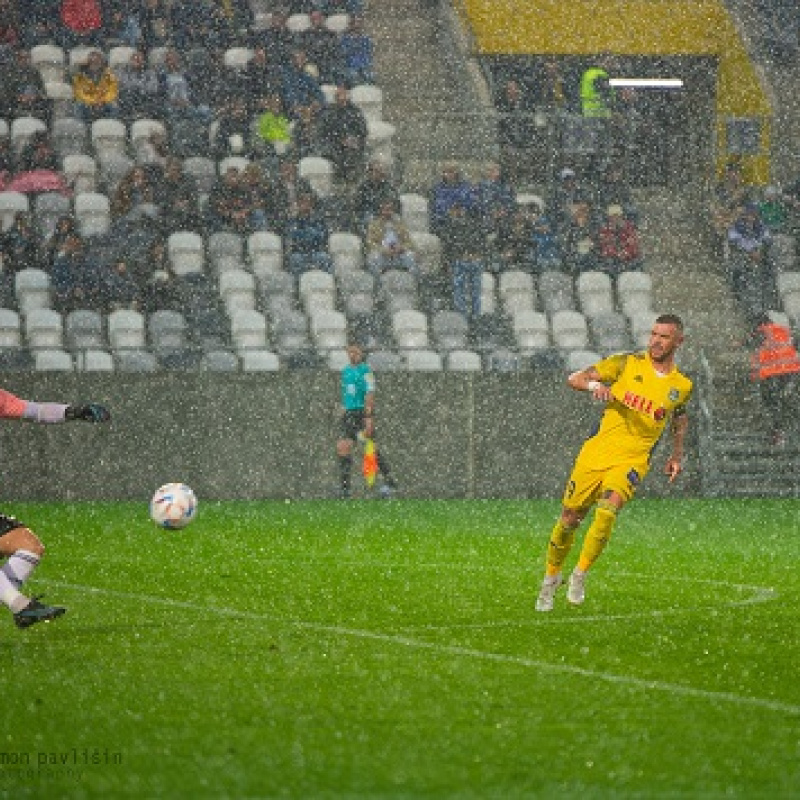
(586, 484)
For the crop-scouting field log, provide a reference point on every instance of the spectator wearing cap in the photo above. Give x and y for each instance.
(618, 243)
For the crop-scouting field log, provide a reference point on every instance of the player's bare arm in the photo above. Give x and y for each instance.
(678, 428)
(588, 380)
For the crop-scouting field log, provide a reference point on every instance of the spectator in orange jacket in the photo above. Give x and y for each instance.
(96, 89)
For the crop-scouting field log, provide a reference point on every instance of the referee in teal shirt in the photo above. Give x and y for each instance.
(358, 403)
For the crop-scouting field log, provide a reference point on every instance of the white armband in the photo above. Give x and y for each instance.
(48, 413)
(591, 386)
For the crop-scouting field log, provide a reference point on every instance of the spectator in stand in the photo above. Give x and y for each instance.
(579, 239)
(65, 227)
(82, 24)
(277, 39)
(516, 130)
(23, 93)
(8, 161)
(545, 240)
(343, 132)
(306, 238)
(123, 23)
(211, 83)
(234, 136)
(464, 250)
(551, 87)
(179, 98)
(512, 245)
(567, 191)
(494, 191)
(234, 21)
(388, 242)
(10, 27)
(774, 210)
(451, 188)
(162, 288)
(74, 277)
(191, 24)
(178, 199)
(357, 54)
(301, 89)
(375, 187)
(618, 244)
(730, 196)
(751, 272)
(38, 170)
(230, 205)
(261, 78)
(155, 24)
(288, 189)
(322, 50)
(260, 198)
(19, 246)
(39, 21)
(140, 90)
(134, 190)
(118, 288)
(274, 130)
(613, 189)
(95, 89)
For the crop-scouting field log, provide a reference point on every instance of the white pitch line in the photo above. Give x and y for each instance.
(675, 689)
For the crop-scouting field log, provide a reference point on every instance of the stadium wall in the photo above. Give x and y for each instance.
(247, 436)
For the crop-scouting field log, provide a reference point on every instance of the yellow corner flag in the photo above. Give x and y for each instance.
(370, 466)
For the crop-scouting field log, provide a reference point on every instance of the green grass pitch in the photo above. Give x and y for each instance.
(391, 650)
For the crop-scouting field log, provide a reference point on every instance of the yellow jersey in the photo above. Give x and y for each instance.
(643, 402)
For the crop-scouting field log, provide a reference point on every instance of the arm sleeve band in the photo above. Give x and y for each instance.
(44, 412)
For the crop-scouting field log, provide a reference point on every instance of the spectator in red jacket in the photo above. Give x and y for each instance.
(618, 244)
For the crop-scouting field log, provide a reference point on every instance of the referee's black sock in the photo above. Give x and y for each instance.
(383, 468)
(345, 468)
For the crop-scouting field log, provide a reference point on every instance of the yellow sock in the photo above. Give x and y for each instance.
(558, 548)
(598, 535)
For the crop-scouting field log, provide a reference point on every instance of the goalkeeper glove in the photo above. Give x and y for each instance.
(93, 412)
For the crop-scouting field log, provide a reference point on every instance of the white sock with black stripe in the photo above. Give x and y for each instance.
(13, 574)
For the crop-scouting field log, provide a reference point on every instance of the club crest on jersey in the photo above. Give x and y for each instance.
(659, 414)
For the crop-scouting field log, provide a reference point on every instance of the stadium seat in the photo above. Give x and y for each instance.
(290, 332)
(237, 57)
(126, 330)
(428, 248)
(463, 361)
(318, 171)
(450, 330)
(93, 213)
(329, 329)
(167, 329)
(317, 289)
(32, 288)
(609, 333)
(297, 23)
(47, 210)
(516, 291)
(94, 361)
(385, 361)
(414, 211)
(225, 250)
(186, 252)
(11, 203)
(595, 293)
(357, 292)
(531, 331)
(61, 97)
(203, 170)
(78, 56)
(44, 329)
(260, 361)
(488, 293)
(219, 361)
(380, 137)
(264, 252)
(410, 329)
(346, 251)
(70, 136)
(53, 360)
(634, 292)
(237, 288)
(112, 167)
(83, 330)
(398, 290)
(248, 330)
(141, 132)
(135, 361)
(120, 56)
(783, 251)
(81, 172)
(49, 60)
(423, 361)
(10, 329)
(369, 99)
(556, 291)
(570, 330)
(338, 23)
(577, 360)
(337, 359)
(641, 321)
(23, 129)
(109, 136)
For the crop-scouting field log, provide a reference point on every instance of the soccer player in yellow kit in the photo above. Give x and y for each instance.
(644, 392)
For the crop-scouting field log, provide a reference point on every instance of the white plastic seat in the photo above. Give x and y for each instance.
(239, 162)
(167, 329)
(570, 330)
(237, 288)
(32, 288)
(61, 97)
(49, 60)
(248, 330)
(577, 360)
(70, 135)
(120, 56)
(556, 291)
(225, 248)
(531, 331)
(80, 170)
(297, 23)
(783, 251)
(318, 171)
(126, 330)
(265, 252)
(78, 56)
(53, 360)
(338, 23)
(641, 321)
(428, 248)
(516, 291)
(259, 361)
(369, 99)
(135, 360)
(317, 289)
(609, 333)
(329, 329)
(414, 209)
(410, 329)
(109, 135)
(94, 361)
(379, 140)
(450, 330)
(595, 293)
(346, 251)
(219, 361)
(237, 57)
(93, 213)
(143, 129)
(203, 170)
(11, 203)
(10, 329)
(463, 361)
(44, 329)
(83, 329)
(488, 293)
(23, 129)
(421, 360)
(788, 283)
(634, 291)
(186, 252)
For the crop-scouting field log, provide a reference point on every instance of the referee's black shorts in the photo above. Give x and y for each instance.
(352, 423)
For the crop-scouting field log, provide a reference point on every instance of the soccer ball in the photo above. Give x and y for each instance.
(173, 506)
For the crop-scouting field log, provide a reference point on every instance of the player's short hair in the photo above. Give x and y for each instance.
(670, 319)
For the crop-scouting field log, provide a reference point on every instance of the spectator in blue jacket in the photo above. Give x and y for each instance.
(357, 54)
(306, 238)
(451, 189)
